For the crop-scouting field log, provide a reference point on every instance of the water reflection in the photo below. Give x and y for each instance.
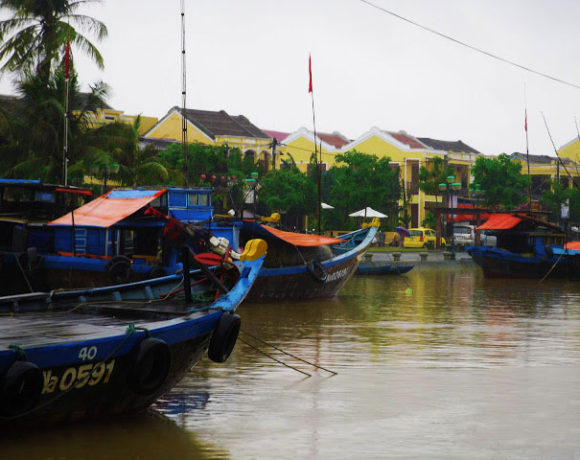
(145, 436)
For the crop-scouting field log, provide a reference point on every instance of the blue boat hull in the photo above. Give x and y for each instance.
(498, 263)
(385, 268)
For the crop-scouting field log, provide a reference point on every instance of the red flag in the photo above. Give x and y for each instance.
(526, 121)
(310, 74)
(67, 60)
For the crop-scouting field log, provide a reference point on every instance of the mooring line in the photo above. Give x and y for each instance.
(289, 354)
(274, 359)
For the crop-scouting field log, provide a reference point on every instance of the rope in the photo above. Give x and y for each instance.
(23, 273)
(274, 359)
(19, 351)
(289, 354)
(551, 268)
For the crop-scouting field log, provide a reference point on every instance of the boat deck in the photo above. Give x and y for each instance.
(51, 327)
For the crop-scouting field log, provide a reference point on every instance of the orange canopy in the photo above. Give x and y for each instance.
(500, 222)
(296, 239)
(572, 245)
(110, 208)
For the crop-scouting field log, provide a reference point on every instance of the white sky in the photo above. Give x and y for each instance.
(250, 57)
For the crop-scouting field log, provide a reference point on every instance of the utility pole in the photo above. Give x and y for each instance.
(274, 144)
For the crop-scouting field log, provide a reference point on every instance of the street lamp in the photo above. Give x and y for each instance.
(253, 182)
(450, 188)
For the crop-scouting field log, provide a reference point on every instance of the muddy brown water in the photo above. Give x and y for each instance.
(439, 363)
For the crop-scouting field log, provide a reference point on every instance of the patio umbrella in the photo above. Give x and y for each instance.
(326, 206)
(368, 212)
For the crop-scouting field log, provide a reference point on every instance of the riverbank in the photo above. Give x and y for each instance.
(418, 256)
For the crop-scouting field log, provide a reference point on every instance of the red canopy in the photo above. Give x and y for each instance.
(500, 222)
(296, 239)
(110, 208)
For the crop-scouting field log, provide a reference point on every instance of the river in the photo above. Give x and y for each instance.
(438, 363)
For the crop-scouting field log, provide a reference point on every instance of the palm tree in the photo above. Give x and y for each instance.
(35, 36)
(36, 126)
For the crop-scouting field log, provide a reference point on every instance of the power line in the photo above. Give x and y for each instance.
(471, 47)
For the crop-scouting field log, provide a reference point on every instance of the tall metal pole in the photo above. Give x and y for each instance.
(318, 161)
(183, 99)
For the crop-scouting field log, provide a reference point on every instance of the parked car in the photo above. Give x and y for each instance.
(464, 235)
(422, 238)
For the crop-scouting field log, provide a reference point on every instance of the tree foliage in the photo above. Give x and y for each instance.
(431, 177)
(288, 190)
(34, 37)
(359, 180)
(501, 181)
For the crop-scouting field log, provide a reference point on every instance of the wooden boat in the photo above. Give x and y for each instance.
(382, 268)
(88, 353)
(305, 266)
(525, 248)
(26, 206)
(122, 236)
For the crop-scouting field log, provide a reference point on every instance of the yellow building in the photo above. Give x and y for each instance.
(300, 146)
(571, 150)
(545, 169)
(214, 128)
(410, 153)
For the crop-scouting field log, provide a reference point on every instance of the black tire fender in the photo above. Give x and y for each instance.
(317, 271)
(20, 388)
(224, 337)
(152, 360)
(119, 269)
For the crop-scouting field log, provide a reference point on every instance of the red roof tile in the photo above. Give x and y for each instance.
(335, 139)
(278, 135)
(407, 140)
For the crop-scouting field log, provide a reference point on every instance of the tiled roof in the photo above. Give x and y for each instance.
(407, 140)
(221, 124)
(541, 159)
(278, 135)
(335, 139)
(448, 146)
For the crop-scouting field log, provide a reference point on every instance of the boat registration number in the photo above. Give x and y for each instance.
(90, 374)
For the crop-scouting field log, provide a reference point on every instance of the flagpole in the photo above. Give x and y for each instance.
(318, 162)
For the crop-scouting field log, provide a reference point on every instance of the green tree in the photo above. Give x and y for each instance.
(37, 127)
(360, 180)
(501, 180)
(288, 190)
(34, 38)
(431, 177)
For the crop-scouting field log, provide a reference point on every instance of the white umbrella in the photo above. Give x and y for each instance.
(326, 206)
(368, 212)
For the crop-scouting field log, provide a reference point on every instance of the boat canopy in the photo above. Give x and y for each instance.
(110, 208)
(500, 222)
(296, 239)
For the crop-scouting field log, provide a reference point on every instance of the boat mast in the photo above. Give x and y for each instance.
(66, 94)
(183, 99)
(528, 154)
(318, 161)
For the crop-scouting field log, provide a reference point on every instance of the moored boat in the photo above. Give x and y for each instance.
(122, 236)
(88, 353)
(305, 266)
(525, 248)
(383, 268)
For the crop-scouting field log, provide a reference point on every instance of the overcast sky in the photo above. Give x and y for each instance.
(370, 69)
